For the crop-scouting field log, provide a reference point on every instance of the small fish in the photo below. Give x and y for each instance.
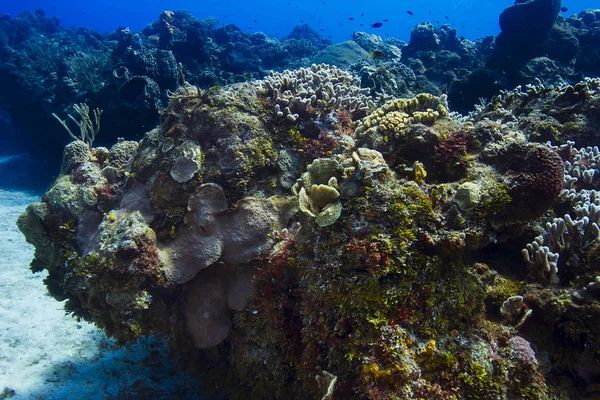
(377, 54)
(351, 18)
(361, 25)
(445, 16)
(410, 12)
(377, 25)
(362, 15)
(255, 21)
(564, 9)
(385, 20)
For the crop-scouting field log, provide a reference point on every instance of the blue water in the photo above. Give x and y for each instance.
(472, 18)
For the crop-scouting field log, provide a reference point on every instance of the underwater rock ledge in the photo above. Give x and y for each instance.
(347, 251)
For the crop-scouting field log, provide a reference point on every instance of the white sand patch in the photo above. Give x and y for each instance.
(45, 354)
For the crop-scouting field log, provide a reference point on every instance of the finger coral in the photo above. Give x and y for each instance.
(319, 87)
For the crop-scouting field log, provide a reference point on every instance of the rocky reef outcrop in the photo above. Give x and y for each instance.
(342, 248)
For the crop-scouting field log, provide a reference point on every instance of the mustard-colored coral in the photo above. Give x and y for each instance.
(318, 196)
(321, 203)
(395, 116)
(429, 348)
(377, 374)
(394, 121)
(420, 173)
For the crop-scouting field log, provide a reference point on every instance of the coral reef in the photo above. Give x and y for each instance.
(311, 232)
(46, 68)
(332, 249)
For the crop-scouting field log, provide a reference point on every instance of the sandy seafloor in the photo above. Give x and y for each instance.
(45, 354)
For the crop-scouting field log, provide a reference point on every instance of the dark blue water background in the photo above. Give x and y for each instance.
(472, 18)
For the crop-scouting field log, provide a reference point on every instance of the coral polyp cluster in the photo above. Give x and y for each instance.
(407, 253)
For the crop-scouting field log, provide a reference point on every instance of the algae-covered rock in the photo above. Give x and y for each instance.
(30, 223)
(341, 54)
(467, 196)
(403, 265)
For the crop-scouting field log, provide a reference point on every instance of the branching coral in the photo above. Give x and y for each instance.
(573, 232)
(85, 70)
(88, 128)
(320, 88)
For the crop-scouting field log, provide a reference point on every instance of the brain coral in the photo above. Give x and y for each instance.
(534, 175)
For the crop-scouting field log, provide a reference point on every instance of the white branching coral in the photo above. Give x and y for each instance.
(318, 87)
(583, 167)
(578, 230)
